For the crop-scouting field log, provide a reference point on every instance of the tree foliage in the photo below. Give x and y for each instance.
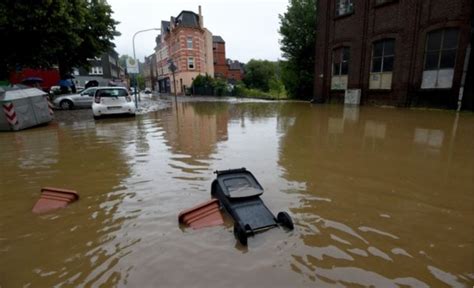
(258, 74)
(298, 31)
(45, 33)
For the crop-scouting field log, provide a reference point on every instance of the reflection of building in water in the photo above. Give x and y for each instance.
(374, 129)
(357, 173)
(196, 129)
(431, 137)
(336, 125)
(83, 236)
(351, 113)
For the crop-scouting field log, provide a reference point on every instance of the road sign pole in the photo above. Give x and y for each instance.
(135, 90)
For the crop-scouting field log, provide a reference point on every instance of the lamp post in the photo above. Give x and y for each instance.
(135, 58)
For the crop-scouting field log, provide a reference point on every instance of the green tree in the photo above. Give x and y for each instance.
(298, 31)
(123, 60)
(258, 74)
(45, 33)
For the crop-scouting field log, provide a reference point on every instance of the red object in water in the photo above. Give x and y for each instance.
(203, 215)
(54, 198)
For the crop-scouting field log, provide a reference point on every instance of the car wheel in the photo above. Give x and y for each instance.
(66, 105)
(96, 117)
(285, 220)
(240, 233)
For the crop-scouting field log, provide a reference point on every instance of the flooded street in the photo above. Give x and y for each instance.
(379, 196)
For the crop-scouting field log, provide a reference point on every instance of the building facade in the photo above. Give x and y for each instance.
(185, 42)
(150, 72)
(105, 70)
(225, 68)
(395, 52)
(220, 64)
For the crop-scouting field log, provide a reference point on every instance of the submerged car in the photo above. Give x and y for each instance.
(112, 101)
(70, 101)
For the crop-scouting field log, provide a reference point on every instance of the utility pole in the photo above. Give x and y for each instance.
(173, 67)
(135, 58)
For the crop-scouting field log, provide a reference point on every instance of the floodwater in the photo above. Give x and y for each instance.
(380, 197)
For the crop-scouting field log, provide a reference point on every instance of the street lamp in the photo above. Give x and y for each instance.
(135, 58)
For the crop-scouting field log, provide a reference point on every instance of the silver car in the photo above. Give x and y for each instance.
(70, 101)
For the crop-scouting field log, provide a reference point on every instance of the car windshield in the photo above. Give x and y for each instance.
(112, 93)
(89, 91)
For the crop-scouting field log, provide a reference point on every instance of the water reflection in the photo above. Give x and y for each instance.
(380, 197)
(387, 216)
(71, 246)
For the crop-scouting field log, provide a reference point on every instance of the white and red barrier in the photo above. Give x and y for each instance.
(10, 113)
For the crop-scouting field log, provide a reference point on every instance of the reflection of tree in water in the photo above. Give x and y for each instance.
(368, 188)
(80, 244)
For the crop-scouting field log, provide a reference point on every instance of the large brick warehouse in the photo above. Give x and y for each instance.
(395, 52)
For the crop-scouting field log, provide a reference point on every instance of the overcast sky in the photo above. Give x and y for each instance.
(249, 27)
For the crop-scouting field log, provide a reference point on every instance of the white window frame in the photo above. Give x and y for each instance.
(344, 7)
(96, 70)
(439, 78)
(380, 76)
(189, 42)
(191, 62)
(339, 79)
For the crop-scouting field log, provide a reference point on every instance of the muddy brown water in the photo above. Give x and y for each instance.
(380, 197)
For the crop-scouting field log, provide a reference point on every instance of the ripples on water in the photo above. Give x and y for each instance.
(380, 197)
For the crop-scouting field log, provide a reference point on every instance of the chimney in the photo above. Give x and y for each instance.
(201, 23)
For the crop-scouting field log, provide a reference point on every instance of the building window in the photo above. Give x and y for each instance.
(340, 68)
(344, 7)
(440, 58)
(191, 63)
(189, 42)
(380, 2)
(96, 70)
(383, 55)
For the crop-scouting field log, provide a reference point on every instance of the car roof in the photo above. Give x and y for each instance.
(111, 87)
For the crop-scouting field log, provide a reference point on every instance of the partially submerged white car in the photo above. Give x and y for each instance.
(112, 101)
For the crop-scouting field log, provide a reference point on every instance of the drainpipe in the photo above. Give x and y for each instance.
(465, 68)
(463, 79)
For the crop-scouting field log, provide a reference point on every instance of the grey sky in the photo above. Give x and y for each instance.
(250, 28)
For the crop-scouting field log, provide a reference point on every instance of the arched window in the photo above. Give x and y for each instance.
(340, 68)
(383, 56)
(440, 58)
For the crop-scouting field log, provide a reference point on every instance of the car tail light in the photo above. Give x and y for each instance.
(129, 99)
(97, 99)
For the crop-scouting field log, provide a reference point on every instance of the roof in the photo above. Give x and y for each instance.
(217, 39)
(188, 19)
(165, 26)
(20, 93)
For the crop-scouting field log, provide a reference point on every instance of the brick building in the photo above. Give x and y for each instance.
(396, 52)
(149, 71)
(185, 42)
(225, 68)
(220, 65)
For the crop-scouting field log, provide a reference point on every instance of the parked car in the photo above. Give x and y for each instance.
(70, 101)
(147, 91)
(112, 101)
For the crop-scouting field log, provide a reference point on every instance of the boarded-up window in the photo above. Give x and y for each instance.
(383, 55)
(340, 68)
(440, 58)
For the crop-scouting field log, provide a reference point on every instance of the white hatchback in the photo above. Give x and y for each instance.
(112, 101)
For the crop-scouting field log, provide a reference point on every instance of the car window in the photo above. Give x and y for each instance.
(89, 91)
(112, 93)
